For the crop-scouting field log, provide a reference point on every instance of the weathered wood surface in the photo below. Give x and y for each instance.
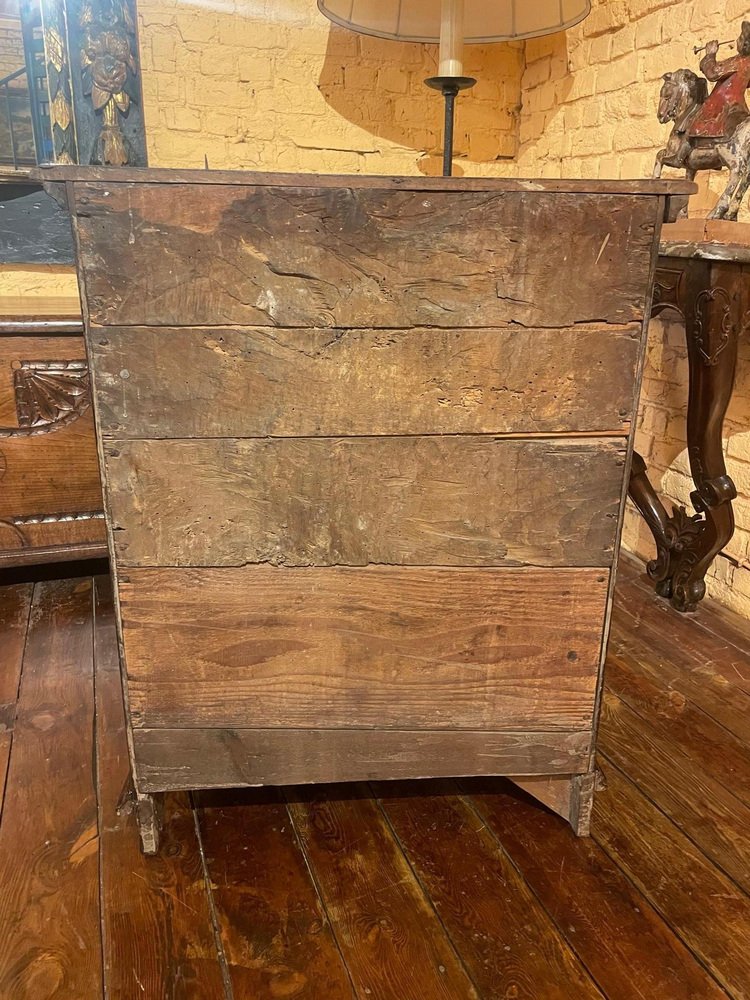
(275, 933)
(465, 501)
(390, 937)
(381, 647)
(675, 782)
(358, 257)
(157, 933)
(252, 382)
(681, 671)
(36, 230)
(52, 852)
(49, 173)
(617, 935)
(720, 753)
(711, 912)
(15, 605)
(211, 758)
(508, 945)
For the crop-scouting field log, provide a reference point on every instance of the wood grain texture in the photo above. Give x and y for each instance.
(156, 925)
(15, 605)
(47, 474)
(379, 647)
(252, 382)
(390, 937)
(275, 932)
(455, 501)
(680, 671)
(509, 945)
(619, 938)
(720, 753)
(48, 855)
(710, 912)
(52, 174)
(56, 472)
(705, 809)
(211, 758)
(359, 257)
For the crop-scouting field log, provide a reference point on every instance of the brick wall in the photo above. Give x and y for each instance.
(275, 86)
(11, 47)
(589, 100)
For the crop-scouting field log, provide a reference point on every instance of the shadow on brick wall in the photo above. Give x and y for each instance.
(378, 86)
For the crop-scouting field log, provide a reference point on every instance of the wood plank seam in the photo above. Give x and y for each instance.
(286, 794)
(422, 887)
(14, 710)
(223, 963)
(569, 943)
(643, 890)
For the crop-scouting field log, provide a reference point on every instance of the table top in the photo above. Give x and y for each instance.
(706, 239)
(158, 175)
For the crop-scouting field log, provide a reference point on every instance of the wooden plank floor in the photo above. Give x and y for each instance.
(395, 891)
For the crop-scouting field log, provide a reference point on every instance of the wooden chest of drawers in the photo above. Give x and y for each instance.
(365, 444)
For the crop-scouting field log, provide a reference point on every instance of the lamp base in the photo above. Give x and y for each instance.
(449, 86)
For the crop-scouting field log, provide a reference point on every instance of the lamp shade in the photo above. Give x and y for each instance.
(484, 20)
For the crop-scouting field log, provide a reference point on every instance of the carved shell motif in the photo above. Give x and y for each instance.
(49, 395)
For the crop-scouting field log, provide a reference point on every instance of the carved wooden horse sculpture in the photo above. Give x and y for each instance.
(682, 94)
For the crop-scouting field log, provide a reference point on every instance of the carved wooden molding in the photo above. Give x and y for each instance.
(95, 106)
(49, 395)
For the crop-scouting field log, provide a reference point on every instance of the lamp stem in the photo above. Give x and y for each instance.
(449, 87)
(450, 94)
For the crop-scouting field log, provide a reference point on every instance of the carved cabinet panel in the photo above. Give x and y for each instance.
(50, 496)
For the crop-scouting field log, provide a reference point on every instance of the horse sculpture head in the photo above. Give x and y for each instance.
(680, 91)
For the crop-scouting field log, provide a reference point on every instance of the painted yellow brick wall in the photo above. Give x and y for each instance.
(589, 100)
(276, 86)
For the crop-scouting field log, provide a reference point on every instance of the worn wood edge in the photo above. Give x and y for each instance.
(553, 791)
(51, 173)
(62, 326)
(9, 712)
(560, 751)
(114, 575)
(637, 386)
(33, 556)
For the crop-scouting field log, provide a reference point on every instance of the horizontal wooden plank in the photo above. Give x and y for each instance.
(379, 647)
(449, 501)
(218, 758)
(358, 257)
(155, 175)
(251, 382)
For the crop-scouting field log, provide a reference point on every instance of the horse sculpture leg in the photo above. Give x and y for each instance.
(736, 154)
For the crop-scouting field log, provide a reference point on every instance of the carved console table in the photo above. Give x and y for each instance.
(704, 275)
(50, 496)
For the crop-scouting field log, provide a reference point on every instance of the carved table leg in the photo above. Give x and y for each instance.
(711, 300)
(712, 335)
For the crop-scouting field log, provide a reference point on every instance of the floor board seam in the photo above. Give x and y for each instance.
(467, 798)
(422, 888)
(220, 953)
(318, 891)
(674, 928)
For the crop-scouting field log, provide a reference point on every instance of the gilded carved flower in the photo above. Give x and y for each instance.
(106, 59)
